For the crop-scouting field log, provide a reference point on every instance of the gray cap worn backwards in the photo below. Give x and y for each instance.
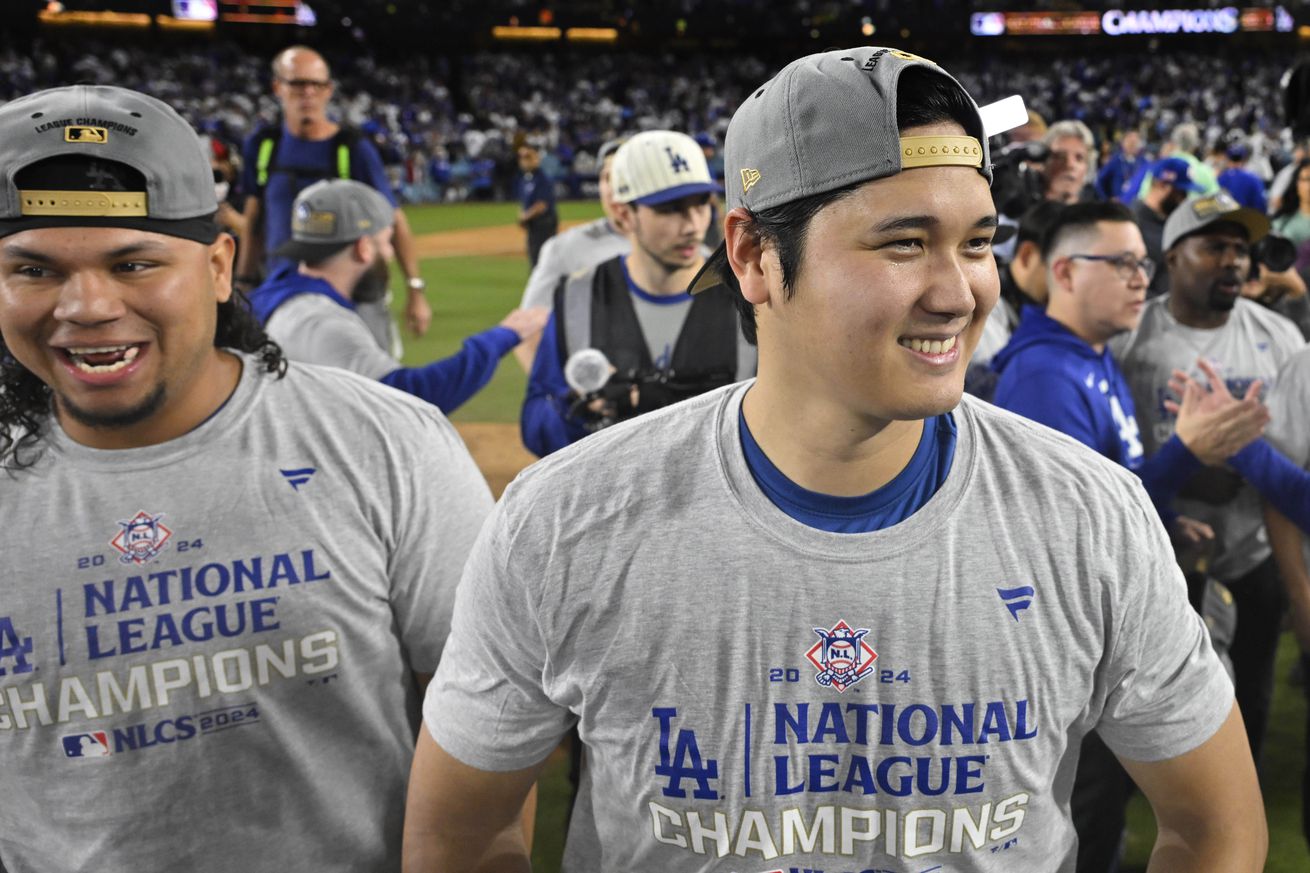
(1194, 215)
(827, 121)
(102, 156)
(332, 214)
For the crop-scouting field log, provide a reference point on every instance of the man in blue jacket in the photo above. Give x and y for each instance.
(340, 244)
(1058, 370)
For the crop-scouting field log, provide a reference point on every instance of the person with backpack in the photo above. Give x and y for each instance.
(305, 146)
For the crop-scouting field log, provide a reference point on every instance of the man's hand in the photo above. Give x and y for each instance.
(526, 322)
(418, 313)
(1212, 423)
(1190, 532)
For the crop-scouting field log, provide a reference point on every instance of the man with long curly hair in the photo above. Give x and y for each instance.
(197, 537)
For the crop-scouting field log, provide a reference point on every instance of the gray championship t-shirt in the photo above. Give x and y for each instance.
(207, 646)
(1289, 412)
(316, 330)
(757, 695)
(1253, 344)
(566, 253)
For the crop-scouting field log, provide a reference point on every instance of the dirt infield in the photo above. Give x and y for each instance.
(507, 239)
(498, 451)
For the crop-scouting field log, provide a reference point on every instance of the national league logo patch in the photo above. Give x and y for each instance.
(841, 656)
(141, 539)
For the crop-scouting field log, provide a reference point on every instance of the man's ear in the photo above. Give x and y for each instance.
(364, 250)
(623, 216)
(750, 260)
(221, 254)
(1060, 276)
(1026, 252)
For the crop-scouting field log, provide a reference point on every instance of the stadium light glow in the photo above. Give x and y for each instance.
(168, 22)
(130, 20)
(591, 34)
(538, 34)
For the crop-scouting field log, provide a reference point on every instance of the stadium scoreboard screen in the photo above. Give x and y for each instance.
(1133, 22)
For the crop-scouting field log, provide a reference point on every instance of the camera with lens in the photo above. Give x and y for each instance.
(1016, 185)
(1276, 253)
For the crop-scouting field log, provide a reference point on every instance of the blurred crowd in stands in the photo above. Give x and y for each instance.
(448, 129)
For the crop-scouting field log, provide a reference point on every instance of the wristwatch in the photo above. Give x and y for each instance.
(417, 284)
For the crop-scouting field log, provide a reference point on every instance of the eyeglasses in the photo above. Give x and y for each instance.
(1125, 265)
(306, 84)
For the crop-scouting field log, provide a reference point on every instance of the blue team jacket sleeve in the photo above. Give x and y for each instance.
(371, 171)
(1282, 483)
(1166, 471)
(544, 423)
(448, 383)
(1050, 399)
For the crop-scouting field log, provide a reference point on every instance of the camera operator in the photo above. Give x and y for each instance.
(659, 345)
(1068, 166)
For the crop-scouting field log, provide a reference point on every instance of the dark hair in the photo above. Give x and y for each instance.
(1077, 216)
(922, 97)
(1291, 201)
(25, 399)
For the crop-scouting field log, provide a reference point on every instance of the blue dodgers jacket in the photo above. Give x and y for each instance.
(1053, 377)
(446, 383)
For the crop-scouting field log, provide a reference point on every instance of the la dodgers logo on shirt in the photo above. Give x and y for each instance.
(841, 656)
(141, 539)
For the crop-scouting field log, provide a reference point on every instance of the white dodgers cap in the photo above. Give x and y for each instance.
(658, 166)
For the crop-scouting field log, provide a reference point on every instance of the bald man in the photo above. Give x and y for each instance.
(304, 147)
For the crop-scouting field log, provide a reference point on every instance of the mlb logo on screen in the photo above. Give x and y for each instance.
(92, 745)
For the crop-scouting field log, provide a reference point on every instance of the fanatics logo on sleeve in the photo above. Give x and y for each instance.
(841, 656)
(92, 745)
(141, 539)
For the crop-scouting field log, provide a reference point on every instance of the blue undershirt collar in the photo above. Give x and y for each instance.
(658, 300)
(892, 503)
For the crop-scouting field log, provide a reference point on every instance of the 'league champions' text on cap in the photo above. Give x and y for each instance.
(1193, 216)
(102, 156)
(827, 121)
(330, 215)
(658, 166)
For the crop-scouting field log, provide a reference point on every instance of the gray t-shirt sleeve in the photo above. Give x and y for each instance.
(496, 670)
(442, 501)
(313, 329)
(545, 277)
(1289, 409)
(1166, 691)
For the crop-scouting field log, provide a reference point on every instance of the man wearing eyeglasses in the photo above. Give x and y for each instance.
(1207, 243)
(306, 147)
(1057, 369)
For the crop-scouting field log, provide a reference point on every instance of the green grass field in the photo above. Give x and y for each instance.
(469, 294)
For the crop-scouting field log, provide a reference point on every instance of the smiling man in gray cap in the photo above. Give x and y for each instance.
(218, 612)
(340, 244)
(837, 617)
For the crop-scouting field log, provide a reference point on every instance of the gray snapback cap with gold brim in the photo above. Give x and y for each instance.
(330, 215)
(1198, 213)
(826, 121)
(73, 141)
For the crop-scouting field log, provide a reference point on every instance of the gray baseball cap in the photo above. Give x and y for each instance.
(1198, 213)
(332, 214)
(103, 156)
(826, 121)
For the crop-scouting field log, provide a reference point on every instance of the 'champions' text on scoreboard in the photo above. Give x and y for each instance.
(1126, 22)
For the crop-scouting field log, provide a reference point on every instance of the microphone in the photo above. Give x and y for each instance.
(587, 371)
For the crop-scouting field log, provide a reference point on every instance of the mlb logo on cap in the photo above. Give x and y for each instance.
(658, 166)
(90, 745)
